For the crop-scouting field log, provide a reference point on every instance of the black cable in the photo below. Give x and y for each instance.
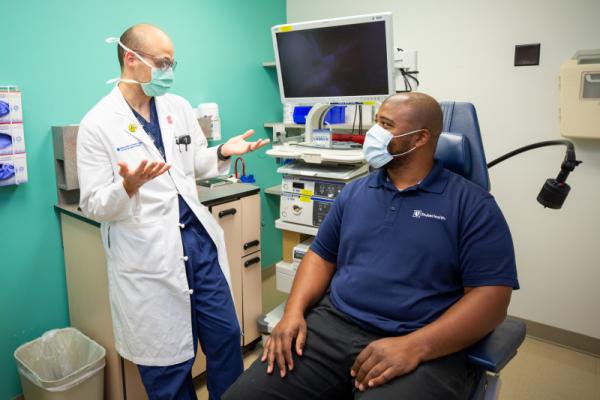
(360, 121)
(554, 191)
(570, 151)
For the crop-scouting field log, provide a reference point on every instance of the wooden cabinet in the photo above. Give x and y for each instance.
(240, 220)
(235, 207)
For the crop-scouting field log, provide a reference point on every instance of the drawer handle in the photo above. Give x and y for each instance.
(225, 213)
(251, 262)
(253, 243)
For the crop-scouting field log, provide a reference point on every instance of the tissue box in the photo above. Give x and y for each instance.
(12, 139)
(13, 170)
(10, 107)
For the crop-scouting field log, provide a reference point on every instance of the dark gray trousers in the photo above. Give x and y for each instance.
(323, 372)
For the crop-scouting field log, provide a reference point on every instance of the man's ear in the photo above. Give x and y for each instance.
(129, 58)
(424, 137)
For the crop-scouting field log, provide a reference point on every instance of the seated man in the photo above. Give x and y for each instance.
(412, 265)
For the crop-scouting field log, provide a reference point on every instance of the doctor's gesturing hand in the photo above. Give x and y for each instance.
(133, 180)
(238, 145)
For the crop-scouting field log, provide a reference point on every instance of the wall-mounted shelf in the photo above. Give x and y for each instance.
(288, 226)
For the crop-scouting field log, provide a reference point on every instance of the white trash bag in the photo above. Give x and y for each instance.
(59, 360)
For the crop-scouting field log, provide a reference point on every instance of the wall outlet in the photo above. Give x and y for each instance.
(405, 59)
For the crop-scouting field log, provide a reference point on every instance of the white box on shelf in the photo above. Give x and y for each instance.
(10, 106)
(13, 169)
(284, 275)
(12, 139)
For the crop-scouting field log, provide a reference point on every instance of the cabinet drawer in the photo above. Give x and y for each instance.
(252, 296)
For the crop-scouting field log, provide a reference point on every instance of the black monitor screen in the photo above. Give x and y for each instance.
(346, 60)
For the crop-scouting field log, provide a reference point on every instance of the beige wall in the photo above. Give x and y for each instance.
(466, 51)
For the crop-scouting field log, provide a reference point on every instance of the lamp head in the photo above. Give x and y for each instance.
(553, 194)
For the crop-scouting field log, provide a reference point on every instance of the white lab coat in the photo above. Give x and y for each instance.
(148, 290)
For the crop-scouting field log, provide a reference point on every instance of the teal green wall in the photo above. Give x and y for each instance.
(55, 52)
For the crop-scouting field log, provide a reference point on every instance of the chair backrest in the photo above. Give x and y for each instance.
(460, 147)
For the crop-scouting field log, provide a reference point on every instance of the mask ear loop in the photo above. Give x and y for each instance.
(111, 40)
(406, 134)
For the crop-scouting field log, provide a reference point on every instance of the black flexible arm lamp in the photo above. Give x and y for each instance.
(555, 191)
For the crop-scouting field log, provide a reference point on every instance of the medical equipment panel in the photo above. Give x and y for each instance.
(304, 210)
(308, 187)
(579, 86)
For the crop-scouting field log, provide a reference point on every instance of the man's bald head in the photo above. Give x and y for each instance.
(142, 38)
(421, 109)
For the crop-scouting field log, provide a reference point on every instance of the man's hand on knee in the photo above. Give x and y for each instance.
(278, 347)
(384, 360)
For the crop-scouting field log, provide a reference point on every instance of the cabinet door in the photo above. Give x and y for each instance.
(229, 216)
(250, 224)
(252, 296)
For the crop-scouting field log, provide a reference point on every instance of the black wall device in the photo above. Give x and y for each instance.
(527, 54)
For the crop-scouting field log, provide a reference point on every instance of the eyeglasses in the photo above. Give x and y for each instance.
(162, 63)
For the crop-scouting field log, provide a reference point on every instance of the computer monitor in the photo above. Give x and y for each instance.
(341, 60)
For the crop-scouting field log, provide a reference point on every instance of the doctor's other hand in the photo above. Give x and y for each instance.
(145, 171)
(278, 348)
(238, 145)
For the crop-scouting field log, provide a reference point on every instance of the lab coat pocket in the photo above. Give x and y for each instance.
(139, 247)
(186, 153)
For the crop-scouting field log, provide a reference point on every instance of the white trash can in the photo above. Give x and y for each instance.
(63, 364)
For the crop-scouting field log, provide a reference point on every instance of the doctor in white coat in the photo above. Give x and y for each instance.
(139, 153)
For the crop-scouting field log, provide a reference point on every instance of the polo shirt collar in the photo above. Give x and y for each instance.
(435, 181)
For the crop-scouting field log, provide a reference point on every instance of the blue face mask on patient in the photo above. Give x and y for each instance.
(375, 148)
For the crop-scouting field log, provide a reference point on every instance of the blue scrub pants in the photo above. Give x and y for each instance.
(213, 320)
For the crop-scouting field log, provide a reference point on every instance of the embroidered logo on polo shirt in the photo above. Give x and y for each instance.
(422, 214)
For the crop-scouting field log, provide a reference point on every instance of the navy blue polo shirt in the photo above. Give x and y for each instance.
(404, 257)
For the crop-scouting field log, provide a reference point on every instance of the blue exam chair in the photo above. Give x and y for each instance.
(460, 149)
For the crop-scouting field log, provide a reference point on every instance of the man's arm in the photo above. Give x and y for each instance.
(476, 314)
(311, 281)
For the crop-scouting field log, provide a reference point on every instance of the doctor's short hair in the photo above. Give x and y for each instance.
(132, 40)
(426, 111)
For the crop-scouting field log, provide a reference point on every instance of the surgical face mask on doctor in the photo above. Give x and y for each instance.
(162, 78)
(375, 148)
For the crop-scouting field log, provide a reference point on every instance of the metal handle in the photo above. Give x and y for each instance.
(589, 78)
(251, 262)
(225, 213)
(253, 243)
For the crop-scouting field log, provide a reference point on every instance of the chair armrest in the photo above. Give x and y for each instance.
(495, 350)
